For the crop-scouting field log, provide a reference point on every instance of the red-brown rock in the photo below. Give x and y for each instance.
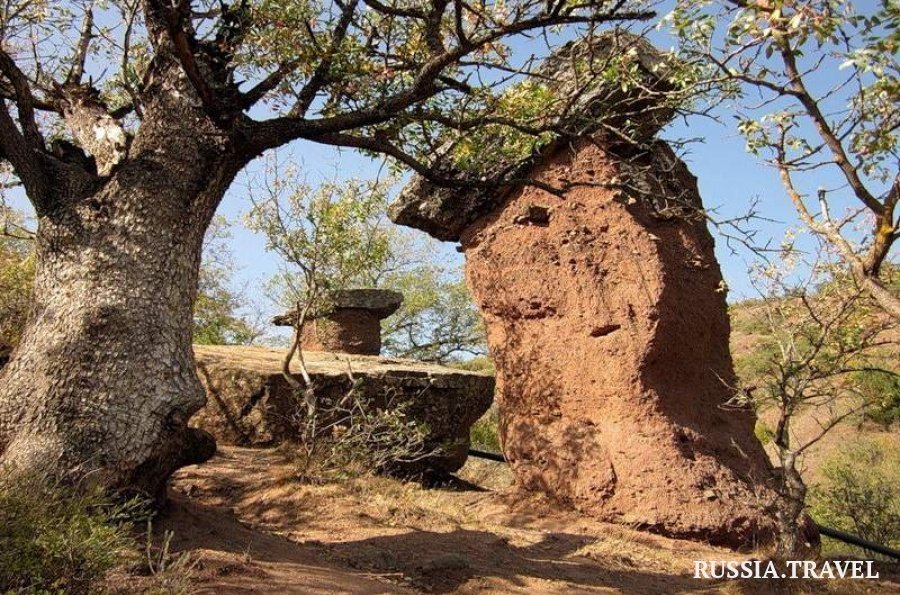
(608, 325)
(344, 331)
(351, 323)
(605, 309)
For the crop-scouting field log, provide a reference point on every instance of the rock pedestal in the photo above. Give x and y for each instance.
(607, 322)
(609, 330)
(352, 323)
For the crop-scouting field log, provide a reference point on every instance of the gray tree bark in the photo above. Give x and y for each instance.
(103, 381)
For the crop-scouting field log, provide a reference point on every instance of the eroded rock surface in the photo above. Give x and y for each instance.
(609, 329)
(250, 404)
(606, 318)
(344, 331)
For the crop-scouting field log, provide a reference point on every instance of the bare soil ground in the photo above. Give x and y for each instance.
(252, 527)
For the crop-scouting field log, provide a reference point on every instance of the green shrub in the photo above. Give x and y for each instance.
(57, 539)
(753, 366)
(54, 540)
(763, 432)
(746, 318)
(484, 433)
(882, 389)
(16, 275)
(858, 493)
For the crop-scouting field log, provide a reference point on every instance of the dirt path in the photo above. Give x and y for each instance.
(254, 529)
(234, 559)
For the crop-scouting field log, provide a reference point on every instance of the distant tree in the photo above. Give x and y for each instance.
(16, 277)
(823, 333)
(438, 321)
(814, 87)
(328, 239)
(217, 320)
(127, 121)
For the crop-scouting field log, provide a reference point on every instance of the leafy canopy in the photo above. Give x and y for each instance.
(217, 318)
(393, 77)
(813, 87)
(329, 237)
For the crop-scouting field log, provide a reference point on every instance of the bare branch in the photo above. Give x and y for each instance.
(24, 101)
(824, 129)
(84, 44)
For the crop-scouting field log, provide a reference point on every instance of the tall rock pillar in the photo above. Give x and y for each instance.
(607, 321)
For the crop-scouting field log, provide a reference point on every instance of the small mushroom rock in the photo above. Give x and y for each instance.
(352, 323)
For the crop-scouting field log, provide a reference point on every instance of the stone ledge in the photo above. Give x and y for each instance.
(250, 404)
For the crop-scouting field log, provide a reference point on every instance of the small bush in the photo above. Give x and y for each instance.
(480, 363)
(16, 275)
(56, 540)
(752, 366)
(859, 491)
(361, 434)
(882, 389)
(484, 433)
(161, 571)
(763, 432)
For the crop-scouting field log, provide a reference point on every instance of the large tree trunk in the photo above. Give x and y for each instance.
(104, 376)
(103, 381)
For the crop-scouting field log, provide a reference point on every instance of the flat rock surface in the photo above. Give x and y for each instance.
(268, 360)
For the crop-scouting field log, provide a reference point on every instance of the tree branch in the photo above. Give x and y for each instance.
(824, 129)
(309, 91)
(24, 159)
(84, 44)
(184, 47)
(889, 302)
(24, 101)
(277, 131)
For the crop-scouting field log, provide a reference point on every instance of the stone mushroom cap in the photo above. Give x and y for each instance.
(379, 302)
(592, 103)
